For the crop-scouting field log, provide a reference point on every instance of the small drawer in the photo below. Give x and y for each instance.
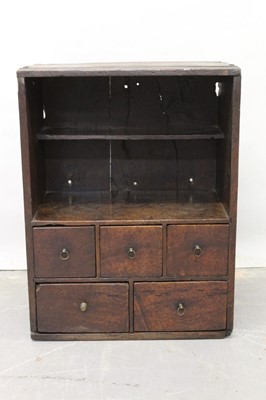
(197, 250)
(131, 251)
(90, 307)
(180, 306)
(64, 252)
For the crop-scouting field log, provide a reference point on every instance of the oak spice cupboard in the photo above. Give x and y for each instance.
(130, 193)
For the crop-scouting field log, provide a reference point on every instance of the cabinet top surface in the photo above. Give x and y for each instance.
(132, 68)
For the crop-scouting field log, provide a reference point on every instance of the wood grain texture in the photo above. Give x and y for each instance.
(86, 164)
(152, 207)
(234, 150)
(162, 104)
(83, 133)
(76, 102)
(163, 165)
(131, 336)
(130, 147)
(29, 190)
(133, 68)
(126, 106)
(116, 257)
(181, 247)
(58, 307)
(224, 146)
(126, 279)
(79, 243)
(155, 306)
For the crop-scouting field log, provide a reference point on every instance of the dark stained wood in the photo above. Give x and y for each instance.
(127, 279)
(164, 226)
(133, 68)
(224, 146)
(161, 166)
(86, 164)
(159, 155)
(58, 307)
(136, 105)
(131, 304)
(131, 251)
(97, 250)
(144, 165)
(234, 145)
(75, 102)
(148, 105)
(196, 165)
(49, 243)
(162, 104)
(82, 133)
(182, 256)
(32, 149)
(29, 190)
(151, 207)
(156, 304)
(131, 336)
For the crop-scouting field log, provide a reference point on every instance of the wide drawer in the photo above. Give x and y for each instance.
(180, 306)
(197, 250)
(64, 252)
(90, 307)
(131, 251)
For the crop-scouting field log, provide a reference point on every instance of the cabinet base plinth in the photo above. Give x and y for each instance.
(131, 336)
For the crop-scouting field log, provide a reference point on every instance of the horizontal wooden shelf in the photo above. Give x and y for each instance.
(151, 207)
(122, 134)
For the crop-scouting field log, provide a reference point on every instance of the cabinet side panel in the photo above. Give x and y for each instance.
(233, 197)
(227, 170)
(30, 187)
(224, 146)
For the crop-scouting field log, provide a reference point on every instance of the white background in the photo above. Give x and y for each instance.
(97, 31)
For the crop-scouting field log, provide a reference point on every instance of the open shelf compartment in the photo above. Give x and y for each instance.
(85, 208)
(128, 107)
(114, 181)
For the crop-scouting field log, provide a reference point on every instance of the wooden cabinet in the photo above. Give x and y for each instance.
(130, 191)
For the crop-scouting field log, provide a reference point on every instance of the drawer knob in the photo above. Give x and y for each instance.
(197, 251)
(180, 309)
(64, 255)
(83, 306)
(131, 253)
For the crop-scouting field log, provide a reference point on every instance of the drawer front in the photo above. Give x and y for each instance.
(95, 307)
(180, 306)
(64, 252)
(131, 251)
(197, 250)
